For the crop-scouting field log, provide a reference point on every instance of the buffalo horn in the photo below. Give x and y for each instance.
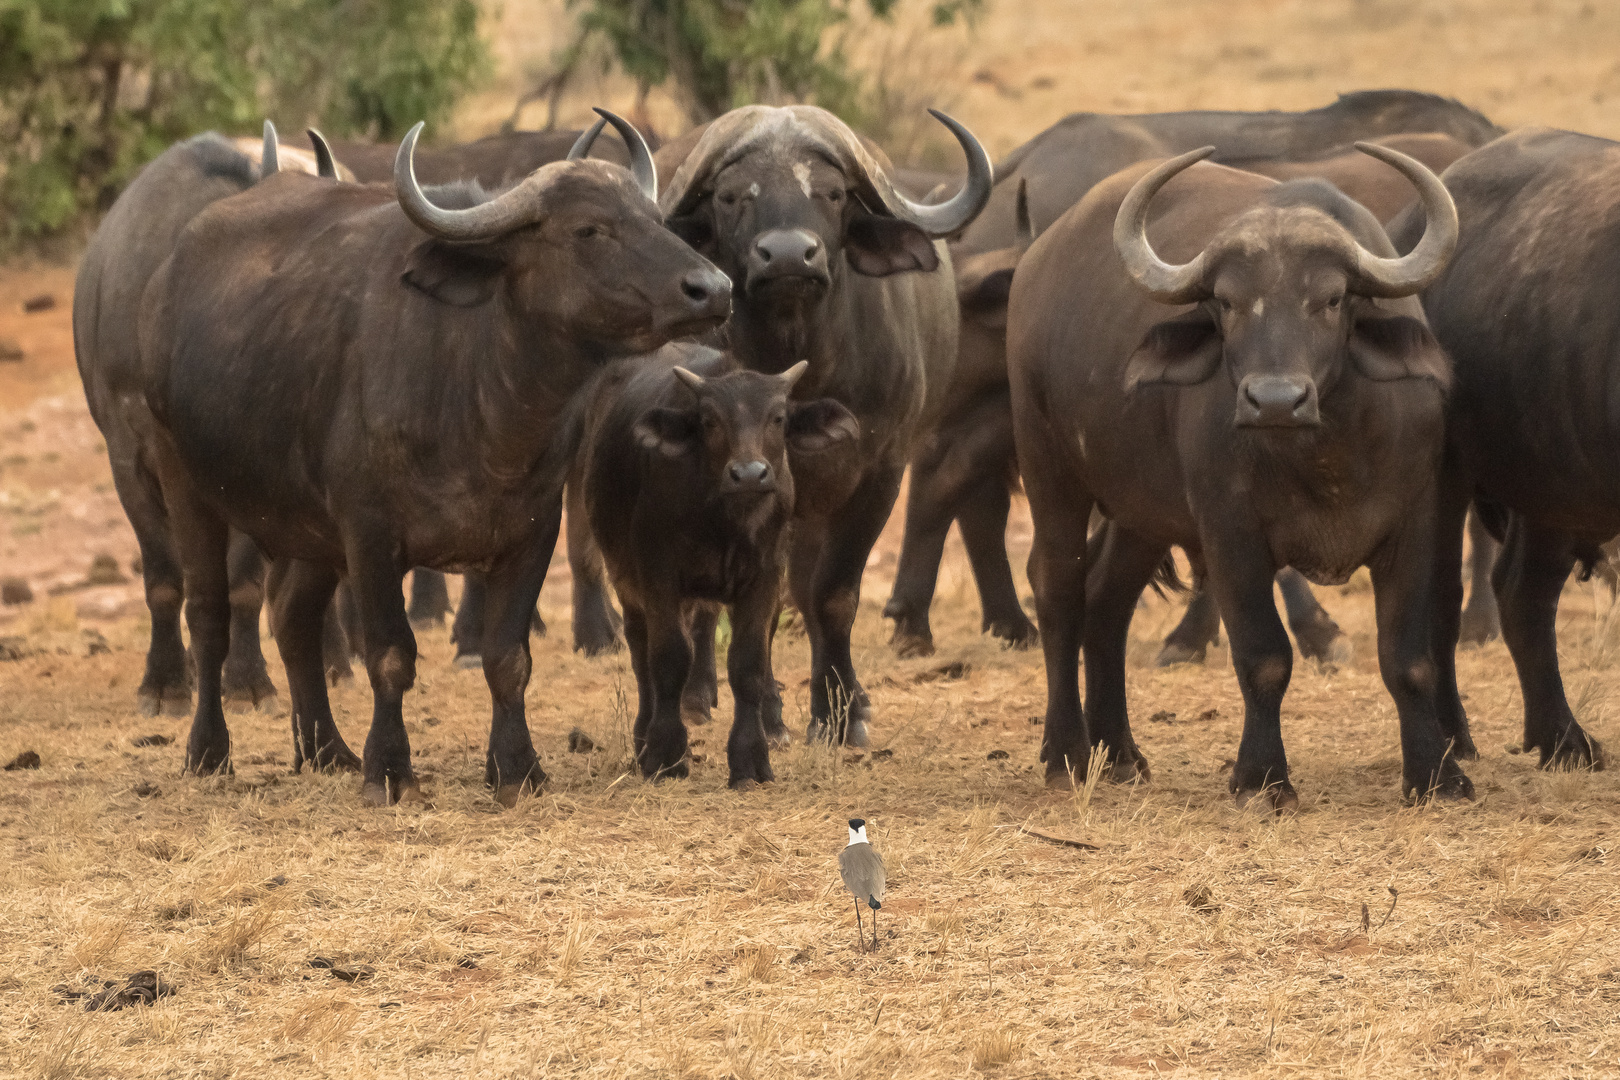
(1023, 226)
(794, 373)
(641, 162)
(1165, 283)
(502, 214)
(325, 164)
(1409, 274)
(268, 162)
(690, 378)
(941, 219)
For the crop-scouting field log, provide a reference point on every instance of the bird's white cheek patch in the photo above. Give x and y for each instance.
(801, 172)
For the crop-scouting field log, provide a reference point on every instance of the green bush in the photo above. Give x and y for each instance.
(719, 54)
(92, 89)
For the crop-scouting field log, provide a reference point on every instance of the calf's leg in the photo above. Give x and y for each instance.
(702, 691)
(1528, 579)
(669, 663)
(983, 521)
(246, 682)
(748, 669)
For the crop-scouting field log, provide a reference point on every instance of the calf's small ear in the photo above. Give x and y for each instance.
(1182, 351)
(878, 246)
(671, 432)
(817, 425)
(1398, 347)
(452, 274)
(983, 296)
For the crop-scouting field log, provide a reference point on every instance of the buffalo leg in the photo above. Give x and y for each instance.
(336, 646)
(299, 606)
(246, 681)
(983, 521)
(596, 625)
(430, 599)
(1240, 576)
(748, 670)
(835, 597)
(1528, 578)
(635, 639)
(1114, 582)
(1057, 573)
(1448, 594)
(390, 654)
(1481, 619)
(702, 691)
(511, 766)
(931, 500)
(204, 542)
(668, 664)
(1403, 593)
(1318, 636)
(166, 685)
(1200, 624)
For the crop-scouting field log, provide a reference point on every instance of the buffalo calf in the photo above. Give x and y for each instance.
(689, 490)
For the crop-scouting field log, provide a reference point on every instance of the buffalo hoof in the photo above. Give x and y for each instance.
(910, 644)
(209, 758)
(509, 795)
(243, 693)
(695, 714)
(1279, 799)
(537, 625)
(594, 639)
(665, 755)
(337, 758)
(390, 791)
(1451, 785)
(175, 701)
(1017, 633)
(1175, 653)
(1128, 769)
(1477, 627)
(468, 661)
(779, 737)
(1463, 748)
(1320, 638)
(339, 673)
(1574, 749)
(750, 771)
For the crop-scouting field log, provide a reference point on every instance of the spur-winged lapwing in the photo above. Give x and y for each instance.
(861, 867)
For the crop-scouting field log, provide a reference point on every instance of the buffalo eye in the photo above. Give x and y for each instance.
(835, 196)
(1224, 304)
(1334, 302)
(727, 198)
(585, 232)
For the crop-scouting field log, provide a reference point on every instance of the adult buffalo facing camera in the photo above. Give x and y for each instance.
(833, 266)
(412, 356)
(1526, 310)
(689, 487)
(1292, 415)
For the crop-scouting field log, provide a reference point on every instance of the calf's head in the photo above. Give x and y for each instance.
(780, 197)
(1286, 296)
(578, 246)
(740, 430)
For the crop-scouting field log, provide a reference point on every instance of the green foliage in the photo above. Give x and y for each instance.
(91, 89)
(720, 54)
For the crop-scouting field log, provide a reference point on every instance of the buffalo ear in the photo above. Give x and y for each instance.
(983, 297)
(459, 275)
(672, 432)
(817, 425)
(878, 246)
(1182, 351)
(1398, 347)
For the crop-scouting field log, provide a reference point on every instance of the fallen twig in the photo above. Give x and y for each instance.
(1053, 838)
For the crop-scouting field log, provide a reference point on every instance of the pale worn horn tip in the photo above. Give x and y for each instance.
(690, 378)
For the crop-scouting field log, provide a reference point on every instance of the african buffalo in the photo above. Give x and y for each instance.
(1293, 415)
(834, 266)
(689, 489)
(132, 241)
(964, 462)
(1526, 310)
(412, 358)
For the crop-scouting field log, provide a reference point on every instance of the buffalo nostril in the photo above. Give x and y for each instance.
(763, 252)
(810, 252)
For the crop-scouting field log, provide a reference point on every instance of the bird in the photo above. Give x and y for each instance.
(861, 867)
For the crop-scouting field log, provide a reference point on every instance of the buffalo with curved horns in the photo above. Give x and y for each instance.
(833, 265)
(412, 358)
(1286, 410)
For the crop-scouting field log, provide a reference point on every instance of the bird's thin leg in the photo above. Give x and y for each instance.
(874, 930)
(860, 929)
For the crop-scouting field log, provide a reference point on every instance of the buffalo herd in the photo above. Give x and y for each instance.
(1288, 344)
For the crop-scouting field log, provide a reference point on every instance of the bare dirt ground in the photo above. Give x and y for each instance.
(615, 928)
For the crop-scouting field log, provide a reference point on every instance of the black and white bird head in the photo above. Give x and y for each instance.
(857, 831)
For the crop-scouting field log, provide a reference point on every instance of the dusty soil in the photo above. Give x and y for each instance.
(615, 928)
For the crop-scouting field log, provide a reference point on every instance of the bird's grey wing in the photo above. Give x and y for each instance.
(879, 877)
(849, 871)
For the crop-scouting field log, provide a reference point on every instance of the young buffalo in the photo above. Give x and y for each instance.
(688, 490)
